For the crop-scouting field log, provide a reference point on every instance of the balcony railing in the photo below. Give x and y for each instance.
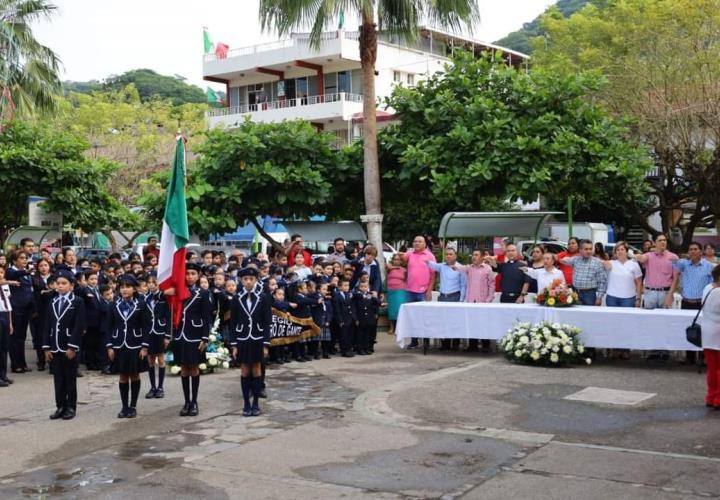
(299, 40)
(286, 103)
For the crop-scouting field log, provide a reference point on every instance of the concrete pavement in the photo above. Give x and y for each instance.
(394, 425)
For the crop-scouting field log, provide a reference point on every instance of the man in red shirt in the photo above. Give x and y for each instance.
(297, 246)
(151, 248)
(572, 251)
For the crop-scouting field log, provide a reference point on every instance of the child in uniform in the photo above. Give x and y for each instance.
(366, 307)
(159, 336)
(127, 342)
(190, 339)
(250, 328)
(344, 317)
(63, 328)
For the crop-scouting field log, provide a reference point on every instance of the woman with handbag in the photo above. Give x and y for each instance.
(710, 324)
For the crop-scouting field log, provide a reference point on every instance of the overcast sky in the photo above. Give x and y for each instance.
(98, 38)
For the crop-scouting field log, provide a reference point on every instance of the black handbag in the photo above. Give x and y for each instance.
(693, 333)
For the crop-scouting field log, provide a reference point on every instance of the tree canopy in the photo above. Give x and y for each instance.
(152, 86)
(484, 132)
(661, 59)
(287, 170)
(40, 161)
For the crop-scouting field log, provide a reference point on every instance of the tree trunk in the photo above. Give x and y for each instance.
(371, 168)
(276, 246)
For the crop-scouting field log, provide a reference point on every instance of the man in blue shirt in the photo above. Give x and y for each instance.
(452, 288)
(694, 274)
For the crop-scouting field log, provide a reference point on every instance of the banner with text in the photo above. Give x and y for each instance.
(287, 329)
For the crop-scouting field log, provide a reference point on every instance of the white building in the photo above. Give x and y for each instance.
(288, 79)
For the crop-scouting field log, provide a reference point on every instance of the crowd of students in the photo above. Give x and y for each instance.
(110, 315)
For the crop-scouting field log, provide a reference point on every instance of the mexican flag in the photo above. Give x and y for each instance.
(213, 97)
(175, 235)
(207, 43)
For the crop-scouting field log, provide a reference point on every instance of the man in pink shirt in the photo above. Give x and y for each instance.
(660, 276)
(420, 278)
(480, 288)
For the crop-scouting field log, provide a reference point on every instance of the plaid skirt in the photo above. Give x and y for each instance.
(325, 335)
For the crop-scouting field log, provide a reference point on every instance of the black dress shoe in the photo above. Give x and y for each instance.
(58, 414)
(247, 412)
(8, 381)
(185, 410)
(131, 413)
(69, 414)
(79, 374)
(263, 394)
(300, 360)
(123, 413)
(255, 411)
(17, 370)
(106, 371)
(41, 367)
(193, 410)
(159, 393)
(307, 358)
(151, 394)
(325, 356)
(348, 354)
(27, 369)
(3, 383)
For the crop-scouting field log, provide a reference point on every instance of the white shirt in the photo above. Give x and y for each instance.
(5, 298)
(544, 277)
(710, 319)
(621, 279)
(302, 272)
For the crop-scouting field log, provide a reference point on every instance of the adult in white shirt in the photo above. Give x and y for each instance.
(624, 279)
(710, 324)
(546, 274)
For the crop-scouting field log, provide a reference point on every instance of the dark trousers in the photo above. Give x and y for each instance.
(93, 345)
(691, 356)
(65, 377)
(36, 332)
(4, 343)
(21, 319)
(587, 297)
(450, 297)
(365, 337)
(346, 337)
(335, 334)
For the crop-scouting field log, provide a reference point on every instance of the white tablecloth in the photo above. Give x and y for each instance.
(604, 327)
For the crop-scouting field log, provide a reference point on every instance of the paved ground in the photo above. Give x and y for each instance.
(394, 425)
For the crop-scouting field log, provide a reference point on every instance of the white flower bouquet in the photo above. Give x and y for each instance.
(546, 343)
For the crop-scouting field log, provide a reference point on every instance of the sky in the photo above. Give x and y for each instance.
(99, 38)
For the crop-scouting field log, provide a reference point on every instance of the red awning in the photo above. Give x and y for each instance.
(382, 116)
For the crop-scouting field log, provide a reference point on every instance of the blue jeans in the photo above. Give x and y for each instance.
(415, 297)
(587, 298)
(611, 301)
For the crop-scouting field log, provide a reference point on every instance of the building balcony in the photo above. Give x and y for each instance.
(334, 46)
(319, 108)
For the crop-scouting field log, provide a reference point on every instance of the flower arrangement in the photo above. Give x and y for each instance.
(217, 356)
(558, 294)
(546, 343)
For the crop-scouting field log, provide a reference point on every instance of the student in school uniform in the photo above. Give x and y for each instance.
(5, 328)
(159, 312)
(229, 292)
(317, 312)
(250, 327)
(63, 328)
(303, 310)
(107, 298)
(127, 342)
(325, 318)
(366, 306)
(190, 339)
(344, 317)
(23, 303)
(93, 339)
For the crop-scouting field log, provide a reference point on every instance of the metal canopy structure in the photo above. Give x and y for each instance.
(41, 235)
(473, 224)
(326, 231)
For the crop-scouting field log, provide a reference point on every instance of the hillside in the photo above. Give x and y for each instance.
(520, 40)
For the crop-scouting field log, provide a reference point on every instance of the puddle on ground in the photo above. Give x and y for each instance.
(294, 399)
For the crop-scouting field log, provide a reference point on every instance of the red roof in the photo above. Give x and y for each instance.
(381, 116)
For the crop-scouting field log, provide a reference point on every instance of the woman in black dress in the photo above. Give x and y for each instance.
(250, 320)
(127, 342)
(190, 339)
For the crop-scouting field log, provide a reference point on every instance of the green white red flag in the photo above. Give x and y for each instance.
(175, 236)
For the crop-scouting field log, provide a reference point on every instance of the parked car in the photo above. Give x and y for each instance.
(93, 253)
(525, 246)
(610, 250)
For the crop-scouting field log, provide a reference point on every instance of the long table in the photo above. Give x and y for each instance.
(602, 327)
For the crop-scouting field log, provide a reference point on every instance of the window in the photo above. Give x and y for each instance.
(344, 81)
(410, 79)
(397, 77)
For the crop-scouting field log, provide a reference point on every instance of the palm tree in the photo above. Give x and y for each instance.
(395, 17)
(29, 80)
